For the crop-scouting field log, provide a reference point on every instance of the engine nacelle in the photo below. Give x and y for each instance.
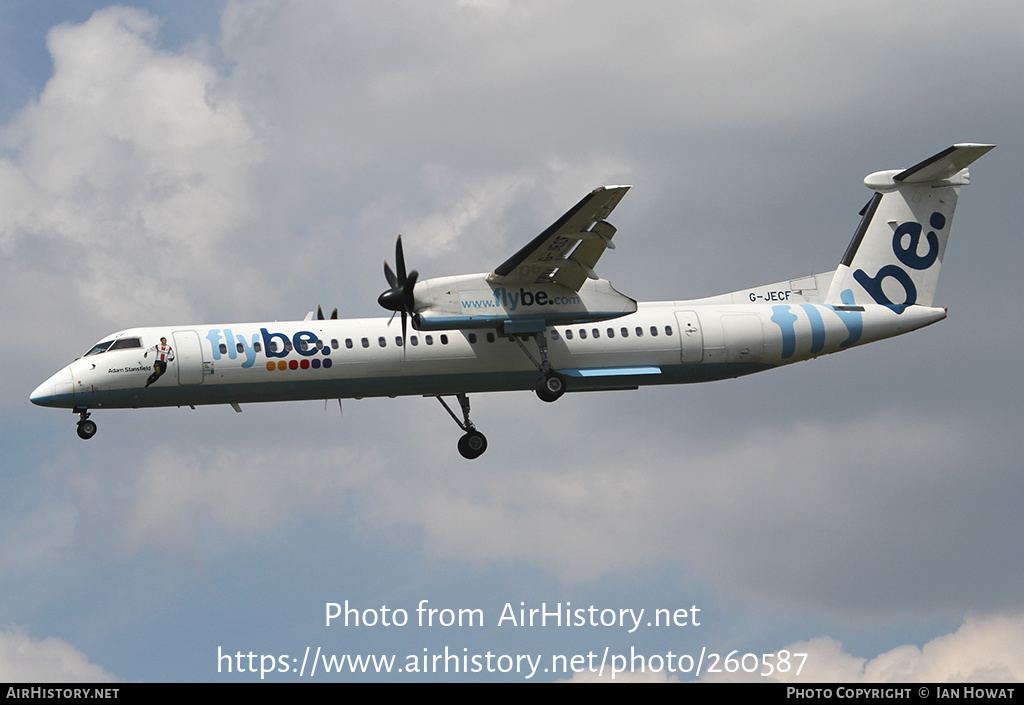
(470, 301)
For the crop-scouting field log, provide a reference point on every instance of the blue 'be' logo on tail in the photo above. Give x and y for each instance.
(909, 257)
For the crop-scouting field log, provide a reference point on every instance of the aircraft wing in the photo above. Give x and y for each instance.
(566, 252)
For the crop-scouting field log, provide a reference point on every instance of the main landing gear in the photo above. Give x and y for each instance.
(86, 428)
(551, 385)
(473, 444)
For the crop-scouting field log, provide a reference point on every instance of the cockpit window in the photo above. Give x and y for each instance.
(120, 344)
(99, 347)
(126, 343)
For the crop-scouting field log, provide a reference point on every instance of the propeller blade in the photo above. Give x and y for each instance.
(390, 276)
(400, 261)
(334, 315)
(410, 284)
(319, 313)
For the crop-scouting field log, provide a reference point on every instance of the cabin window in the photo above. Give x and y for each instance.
(639, 332)
(444, 339)
(654, 331)
(239, 348)
(668, 330)
(288, 345)
(275, 346)
(568, 334)
(611, 332)
(365, 342)
(624, 332)
(348, 343)
(583, 333)
(398, 340)
(257, 347)
(223, 348)
(597, 333)
(414, 340)
(381, 341)
(429, 339)
(472, 338)
(490, 337)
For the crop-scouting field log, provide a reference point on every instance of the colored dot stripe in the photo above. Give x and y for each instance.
(315, 363)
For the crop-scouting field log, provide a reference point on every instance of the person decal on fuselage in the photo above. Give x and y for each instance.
(164, 354)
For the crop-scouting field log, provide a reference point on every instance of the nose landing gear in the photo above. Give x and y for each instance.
(473, 444)
(86, 428)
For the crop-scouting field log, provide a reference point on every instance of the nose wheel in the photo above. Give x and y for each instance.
(86, 427)
(473, 444)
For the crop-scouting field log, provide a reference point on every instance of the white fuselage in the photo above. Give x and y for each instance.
(661, 343)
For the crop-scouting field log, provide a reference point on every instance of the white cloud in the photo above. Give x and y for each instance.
(982, 650)
(129, 154)
(228, 496)
(792, 515)
(784, 513)
(40, 539)
(51, 660)
(126, 132)
(589, 676)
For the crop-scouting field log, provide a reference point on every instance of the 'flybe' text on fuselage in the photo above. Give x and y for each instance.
(226, 342)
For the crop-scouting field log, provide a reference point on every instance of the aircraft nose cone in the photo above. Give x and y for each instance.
(42, 393)
(57, 391)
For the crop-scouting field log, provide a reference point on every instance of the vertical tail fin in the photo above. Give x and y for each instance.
(896, 253)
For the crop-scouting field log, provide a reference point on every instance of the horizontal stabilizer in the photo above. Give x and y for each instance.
(943, 165)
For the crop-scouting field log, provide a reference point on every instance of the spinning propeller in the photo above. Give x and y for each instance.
(399, 297)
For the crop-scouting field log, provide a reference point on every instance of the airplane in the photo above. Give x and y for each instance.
(544, 320)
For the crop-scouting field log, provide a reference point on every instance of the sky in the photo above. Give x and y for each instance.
(168, 163)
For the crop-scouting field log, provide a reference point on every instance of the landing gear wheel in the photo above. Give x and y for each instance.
(472, 445)
(551, 386)
(86, 429)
